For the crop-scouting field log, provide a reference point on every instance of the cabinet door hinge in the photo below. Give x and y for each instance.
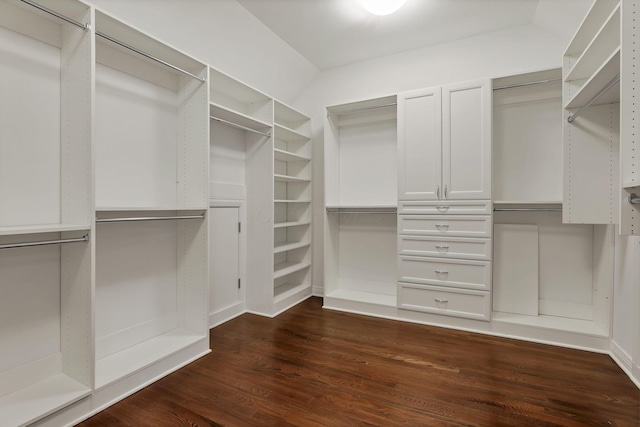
(238, 283)
(239, 227)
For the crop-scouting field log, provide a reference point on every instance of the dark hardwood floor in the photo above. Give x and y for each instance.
(315, 367)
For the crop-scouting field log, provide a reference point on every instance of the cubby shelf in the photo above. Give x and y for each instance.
(287, 156)
(286, 268)
(224, 113)
(291, 224)
(292, 201)
(287, 134)
(287, 178)
(288, 246)
(603, 75)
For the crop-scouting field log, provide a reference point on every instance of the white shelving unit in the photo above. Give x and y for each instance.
(45, 146)
(361, 202)
(152, 174)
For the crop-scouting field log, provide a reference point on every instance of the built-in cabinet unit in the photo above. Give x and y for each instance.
(46, 210)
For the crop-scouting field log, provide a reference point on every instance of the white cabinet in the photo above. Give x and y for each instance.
(444, 143)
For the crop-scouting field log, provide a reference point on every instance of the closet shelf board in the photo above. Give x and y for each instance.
(365, 297)
(42, 228)
(286, 134)
(150, 209)
(287, 156)
(286, 268)
(583, 327)
(126, 362)
(607, 72)
(238, 118)
(286, 178)
(288, 246)
(291, 201)
(29, 404)
(287, 289)
(290, 224)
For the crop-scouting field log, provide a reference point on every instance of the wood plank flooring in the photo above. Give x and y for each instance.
(315, 367)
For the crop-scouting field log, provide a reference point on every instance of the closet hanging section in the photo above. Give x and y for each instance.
(150, 218)
(594, 98)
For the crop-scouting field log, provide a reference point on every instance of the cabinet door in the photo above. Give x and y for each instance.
(419, 145)
(224, 258)
(466, 143)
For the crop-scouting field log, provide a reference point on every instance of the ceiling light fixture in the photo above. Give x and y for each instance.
(382, 7)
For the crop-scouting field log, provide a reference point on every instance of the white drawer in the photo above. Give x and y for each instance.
(439, 225)
(445, 207)
(454, 247)
(450, 302)
(445, 272)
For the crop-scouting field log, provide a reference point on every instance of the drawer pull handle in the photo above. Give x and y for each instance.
(445, 248)
(441, 272)
(441, 301)
(439, 226)
(442, 208)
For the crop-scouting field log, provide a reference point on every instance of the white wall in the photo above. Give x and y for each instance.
(224, 35)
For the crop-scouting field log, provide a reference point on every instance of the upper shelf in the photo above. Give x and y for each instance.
(291, 120)
(238, 118)
(288, 134)
(600, 78)
(236, 98)
(42, 228)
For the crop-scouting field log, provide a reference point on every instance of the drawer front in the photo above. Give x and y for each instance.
(450, 302)
(445, 272)
(439, 225)
(448, 207)
(460, 248)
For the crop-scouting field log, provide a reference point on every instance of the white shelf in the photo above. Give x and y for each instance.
(286, 178)
(42, 228)
(527, 202)
(287, 156)
(290, 224)
(288, 246)
(41, 399)
(603, 43)
(292, 201)
(133, 359)
(286, 134)
(585, 327)
(603, 75)
(149, 209)
(286, 268)
(287, 289)
(238, 118)
(364, 297)
(361, 207)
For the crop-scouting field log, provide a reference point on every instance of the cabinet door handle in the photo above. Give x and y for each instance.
(445, 191)
(441, 301)
(438, 192)
(441, 272)
(446, 248)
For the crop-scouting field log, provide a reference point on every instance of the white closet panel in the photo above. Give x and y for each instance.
(227, 156)
(515, 269)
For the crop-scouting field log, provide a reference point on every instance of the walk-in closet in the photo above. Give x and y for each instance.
(168, 167)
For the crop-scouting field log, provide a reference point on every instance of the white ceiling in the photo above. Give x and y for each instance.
(330, 33)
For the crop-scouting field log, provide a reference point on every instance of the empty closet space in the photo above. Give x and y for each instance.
(151, 142)
(361, 202)
(545, 273)
(45, 209)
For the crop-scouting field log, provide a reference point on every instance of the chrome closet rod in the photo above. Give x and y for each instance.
(149, 218)
(527, 209)
(363, 212)
(360, 110)
(539, 82)
(45, 242)
(634, 200)
(235, 125)
(594, 98)
(57, 15)
(146, 55)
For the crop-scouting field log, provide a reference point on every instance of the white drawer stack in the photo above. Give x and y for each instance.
(444, 262)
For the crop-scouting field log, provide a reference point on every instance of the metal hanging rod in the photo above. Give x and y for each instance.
(356, 211)
(633, 199)
(146, 55)
(360, 110)
(527, 84)
(235, 125)
(45, 242)
(595, 97)
(150, 218)
(57, 15)
(527, 209)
